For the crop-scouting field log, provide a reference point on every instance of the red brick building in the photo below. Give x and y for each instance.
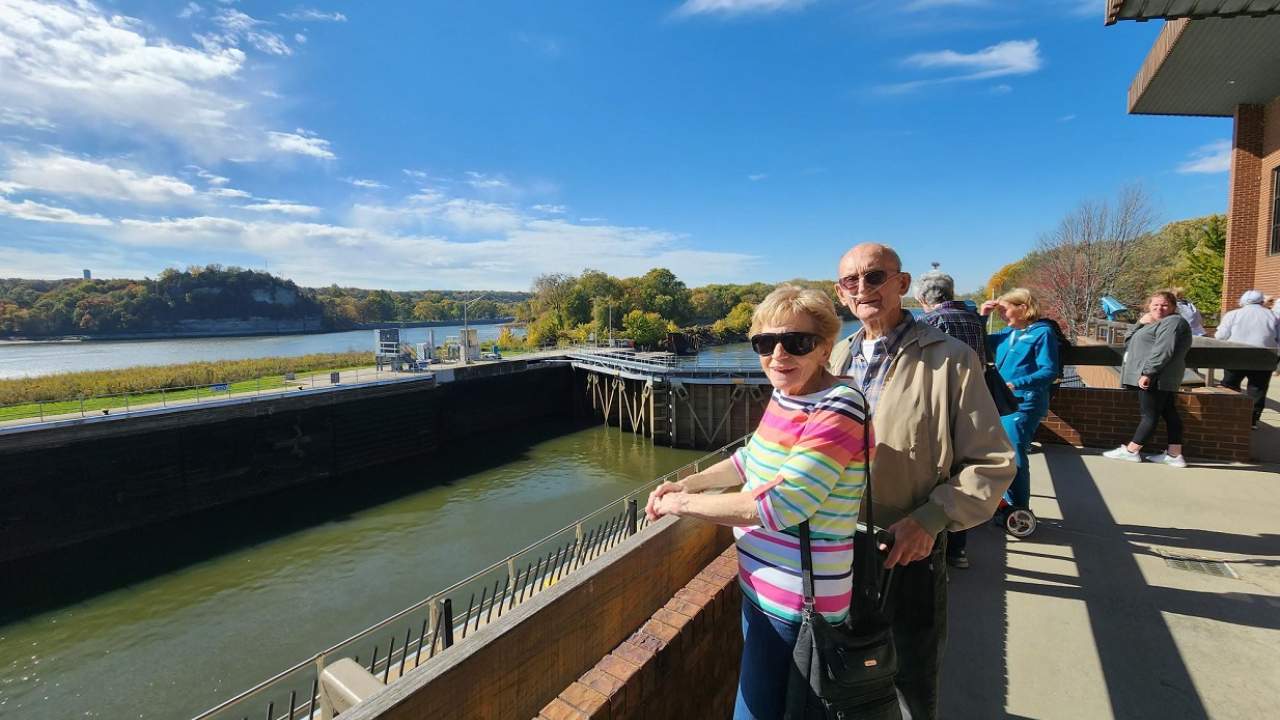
(1221, 58)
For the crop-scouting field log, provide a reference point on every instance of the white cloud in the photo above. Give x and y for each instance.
(38, 212)
(238, 27)
(1001, 89)
(757, 177)
(209, 177)
(1067, 118)
(475, 216)
(229, 193)
(551, 209)
(1209, 159)
(73, 176)
(480, 181)
(283, 206)
(71, 64)
(737, 7)
(1011, 57)
(415, 174)
(25, 118)
(313, 15)
(366, 184)
(301, 143)
(191, 10)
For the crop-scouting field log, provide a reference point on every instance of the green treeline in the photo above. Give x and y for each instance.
(52, 308)
(568, 308)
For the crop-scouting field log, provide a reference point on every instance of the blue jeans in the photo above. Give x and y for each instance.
(1021, 427)
(767, 644)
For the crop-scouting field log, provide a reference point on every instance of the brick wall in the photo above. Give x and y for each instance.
(1216, 421)
(1244, 200)
(1266, 265)
(683, 663)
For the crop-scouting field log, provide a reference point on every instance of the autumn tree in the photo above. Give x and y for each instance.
(1091, 249)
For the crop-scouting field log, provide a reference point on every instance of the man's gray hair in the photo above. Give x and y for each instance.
(935, 287)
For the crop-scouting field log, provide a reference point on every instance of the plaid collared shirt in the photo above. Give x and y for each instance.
(957, 320)
(870, 372)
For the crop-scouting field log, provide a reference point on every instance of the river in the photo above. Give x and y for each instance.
(29, 359)
(168, 623)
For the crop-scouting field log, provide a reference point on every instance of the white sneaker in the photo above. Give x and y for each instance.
(1177, 461)
(1122, 453)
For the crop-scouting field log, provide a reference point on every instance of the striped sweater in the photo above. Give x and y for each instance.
(804, 462)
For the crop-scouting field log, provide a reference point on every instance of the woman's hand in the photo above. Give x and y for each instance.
(672, 503)
(655, 498)
(1011, 388)
(987, 307)
(1144, 382)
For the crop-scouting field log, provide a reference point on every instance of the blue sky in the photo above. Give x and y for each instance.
(479, 144)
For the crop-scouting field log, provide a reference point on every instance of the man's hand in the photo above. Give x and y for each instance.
(910, 543)
(651, 507)
(1144, 382)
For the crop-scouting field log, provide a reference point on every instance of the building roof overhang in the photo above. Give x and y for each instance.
(1208, 67)
(1143, 10)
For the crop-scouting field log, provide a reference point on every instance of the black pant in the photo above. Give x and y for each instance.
(1156, 404)
(1257, 390)
(919, 603)
(956, 542)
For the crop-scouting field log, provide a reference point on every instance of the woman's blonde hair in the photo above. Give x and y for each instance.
(788, 301)
(1025, 298)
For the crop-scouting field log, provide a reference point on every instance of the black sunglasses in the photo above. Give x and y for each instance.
(795, 343)
(870, 279)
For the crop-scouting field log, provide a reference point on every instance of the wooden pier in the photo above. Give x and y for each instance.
(673, 402)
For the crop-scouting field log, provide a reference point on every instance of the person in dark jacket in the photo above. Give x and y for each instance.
(1026, 354)
(1155, 359)
(936, 293)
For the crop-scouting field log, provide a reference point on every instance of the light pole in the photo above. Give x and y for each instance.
(466, 336)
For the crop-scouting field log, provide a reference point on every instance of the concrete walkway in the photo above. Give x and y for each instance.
(1087, 619)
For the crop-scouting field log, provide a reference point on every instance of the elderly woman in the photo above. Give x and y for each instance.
(1026, 354)
(1155, 360)
(804, 462)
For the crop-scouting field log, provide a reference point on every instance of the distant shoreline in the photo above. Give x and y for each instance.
(71, 339)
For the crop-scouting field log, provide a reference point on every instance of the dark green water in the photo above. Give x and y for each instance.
(167, 623)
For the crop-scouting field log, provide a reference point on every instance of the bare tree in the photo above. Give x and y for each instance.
(1084, 258)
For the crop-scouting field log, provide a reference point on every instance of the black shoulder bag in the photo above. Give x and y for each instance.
(847, 670)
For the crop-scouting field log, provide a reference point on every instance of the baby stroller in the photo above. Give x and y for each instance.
(1017, 521)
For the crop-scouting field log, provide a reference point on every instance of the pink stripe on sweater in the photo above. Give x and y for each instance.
(827, 604)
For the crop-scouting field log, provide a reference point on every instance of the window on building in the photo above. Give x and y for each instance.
(1275, 211)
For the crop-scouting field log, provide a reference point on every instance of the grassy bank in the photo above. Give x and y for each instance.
(241, 374)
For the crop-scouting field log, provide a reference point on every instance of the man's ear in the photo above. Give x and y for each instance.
(906, 283)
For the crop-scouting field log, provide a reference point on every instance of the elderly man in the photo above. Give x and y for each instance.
(1251, 324)
(941, 461)
(936, 293)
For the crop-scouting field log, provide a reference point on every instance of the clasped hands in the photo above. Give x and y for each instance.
(665, 500)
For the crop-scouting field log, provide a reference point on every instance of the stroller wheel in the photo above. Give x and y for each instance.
(1020, 522)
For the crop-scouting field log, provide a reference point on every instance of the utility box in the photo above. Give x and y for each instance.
(334, 378)
(386, 342)
(344, 684)
(469, 345)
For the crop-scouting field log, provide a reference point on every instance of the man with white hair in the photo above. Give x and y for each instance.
(1253, 325)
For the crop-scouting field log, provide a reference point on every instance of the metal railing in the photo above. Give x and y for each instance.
(665, 364)
(138, 401)
(431, 626)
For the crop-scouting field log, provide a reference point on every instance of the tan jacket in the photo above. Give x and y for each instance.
(941, 453)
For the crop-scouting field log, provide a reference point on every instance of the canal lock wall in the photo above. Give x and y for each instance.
(68, 485)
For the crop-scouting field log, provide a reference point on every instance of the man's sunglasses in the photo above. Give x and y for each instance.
(795, 343)
(870, 280)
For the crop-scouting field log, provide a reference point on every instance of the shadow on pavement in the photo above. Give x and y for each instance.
(1143, 669)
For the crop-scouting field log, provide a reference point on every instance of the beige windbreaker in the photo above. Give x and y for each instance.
(941, 454)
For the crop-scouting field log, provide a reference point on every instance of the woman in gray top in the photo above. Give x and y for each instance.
(1155, 359)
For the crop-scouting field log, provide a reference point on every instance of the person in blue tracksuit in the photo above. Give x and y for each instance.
(1026, 354)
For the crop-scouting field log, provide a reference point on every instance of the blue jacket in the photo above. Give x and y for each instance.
(1028, 360)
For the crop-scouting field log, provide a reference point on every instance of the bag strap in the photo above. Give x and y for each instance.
(868, 563)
